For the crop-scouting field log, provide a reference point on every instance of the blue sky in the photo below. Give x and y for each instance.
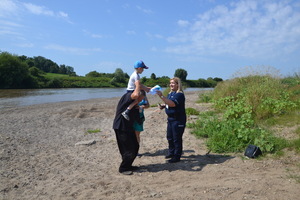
(207, 38)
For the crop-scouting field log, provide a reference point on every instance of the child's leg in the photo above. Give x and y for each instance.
(132, 104)
(126, 112)
(137, 133)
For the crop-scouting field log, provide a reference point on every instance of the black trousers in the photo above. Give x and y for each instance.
(175, 130)
(128, 147)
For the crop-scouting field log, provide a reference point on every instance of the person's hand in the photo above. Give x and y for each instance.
(147, 89)
(161, 106)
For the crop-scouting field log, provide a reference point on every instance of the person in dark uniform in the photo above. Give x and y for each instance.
(174, 105)
(125, 133)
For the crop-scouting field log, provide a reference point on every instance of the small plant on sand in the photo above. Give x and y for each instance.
(92, 131)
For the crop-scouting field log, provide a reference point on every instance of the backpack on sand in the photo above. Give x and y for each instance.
(252, 151)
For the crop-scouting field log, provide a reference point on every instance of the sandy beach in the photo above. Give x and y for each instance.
(41, 157)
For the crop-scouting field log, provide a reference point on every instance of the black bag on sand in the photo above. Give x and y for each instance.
(252, 151)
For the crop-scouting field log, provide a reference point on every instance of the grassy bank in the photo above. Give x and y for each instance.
(263, 110)
(66, 81)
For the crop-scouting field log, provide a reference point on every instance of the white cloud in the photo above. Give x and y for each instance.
(147, 11)
(9, 24)
(64, 16)
(38, 10)
(157, 36)
(8, 32)
(93, 35)
(41, 10)
(10, 29)
(72, 50)
(13, 7)
(12, 19)
(7, 7)
(244, 28)
(183, 23)
(96, 36)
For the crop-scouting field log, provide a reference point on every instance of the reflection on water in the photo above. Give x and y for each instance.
(25, 97)
(13, 98)
(14, 93)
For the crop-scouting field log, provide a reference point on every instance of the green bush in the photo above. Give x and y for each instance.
(191, 111)
(240, 104)
(54, 83)
(266, 95)
(205, 97)
(233, 135)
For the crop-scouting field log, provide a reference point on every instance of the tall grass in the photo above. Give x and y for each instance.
(265, 95)
(240, 105)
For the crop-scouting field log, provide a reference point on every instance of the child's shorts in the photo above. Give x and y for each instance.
(138, 127)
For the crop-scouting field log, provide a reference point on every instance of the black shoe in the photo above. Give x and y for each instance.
(174, 160)
(169, 156)
(125, 115)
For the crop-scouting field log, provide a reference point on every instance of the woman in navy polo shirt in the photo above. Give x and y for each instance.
(175, 109)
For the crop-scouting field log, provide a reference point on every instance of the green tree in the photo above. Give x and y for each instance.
(93, 74)
(54, 69)
(202, 83)
(119, 76)
(43, 63)
(181, 73)
(143, 79)
(30, 62)
(23, 58)
(13, 72)
(153, 76)
(62, 69)
(70, 71)
(218, 79)
(34, 71)
(211, 82)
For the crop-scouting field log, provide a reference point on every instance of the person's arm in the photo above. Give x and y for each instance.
(167, 101)
(136, 92)
(147, 89)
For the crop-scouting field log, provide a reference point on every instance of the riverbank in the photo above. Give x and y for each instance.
(40, 159)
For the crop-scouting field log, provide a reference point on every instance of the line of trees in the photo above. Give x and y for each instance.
(27, 72)
(39, 72)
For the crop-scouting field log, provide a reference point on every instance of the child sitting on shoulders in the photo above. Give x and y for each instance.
(134, 79)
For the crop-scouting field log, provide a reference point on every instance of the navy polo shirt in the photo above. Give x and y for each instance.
(177, 112)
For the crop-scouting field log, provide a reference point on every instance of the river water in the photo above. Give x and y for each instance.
(21, 97)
